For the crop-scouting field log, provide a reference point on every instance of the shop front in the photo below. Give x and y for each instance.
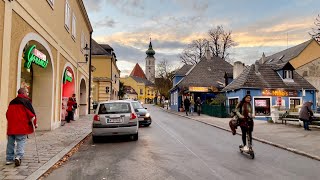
(36, 73)
(68, 89)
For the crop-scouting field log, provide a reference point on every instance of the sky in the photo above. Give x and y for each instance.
(258, 26)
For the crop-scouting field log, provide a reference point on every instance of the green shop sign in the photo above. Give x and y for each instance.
(67, 76)
(32, 55)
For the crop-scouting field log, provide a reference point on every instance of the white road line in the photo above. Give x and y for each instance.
(171, 134)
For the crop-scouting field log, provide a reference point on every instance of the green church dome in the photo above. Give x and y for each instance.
(150, 51)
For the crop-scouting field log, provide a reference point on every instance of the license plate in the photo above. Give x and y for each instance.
(114, 120)
(141, 119)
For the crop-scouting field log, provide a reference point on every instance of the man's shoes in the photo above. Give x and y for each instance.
(9, 162)
(17, 161)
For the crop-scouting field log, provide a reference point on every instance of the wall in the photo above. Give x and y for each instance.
(102, 65)
(176, 79)
(1, 32)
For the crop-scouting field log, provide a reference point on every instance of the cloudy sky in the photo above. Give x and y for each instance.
(257, 26)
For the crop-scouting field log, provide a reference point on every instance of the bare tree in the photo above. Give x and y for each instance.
(194, 52)
(164, 80)
(163, 68)
(316, 31)
(220, 42)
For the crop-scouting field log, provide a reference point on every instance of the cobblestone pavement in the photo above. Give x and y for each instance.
(52, 146)
(291, 137)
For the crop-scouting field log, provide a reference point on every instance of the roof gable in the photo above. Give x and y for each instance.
(137, 71)
(97, 49)
(207, 73)
(267, 77)
(183, 70)
(287, 54)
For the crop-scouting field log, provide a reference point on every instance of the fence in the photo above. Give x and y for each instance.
(220, 111)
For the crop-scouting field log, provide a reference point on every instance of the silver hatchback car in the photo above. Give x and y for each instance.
(115, 118)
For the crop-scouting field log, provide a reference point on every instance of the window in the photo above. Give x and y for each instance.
(287, 74)
(67, 16)
(51, 3)
(74, 26)
(141, 91)
(262, 106)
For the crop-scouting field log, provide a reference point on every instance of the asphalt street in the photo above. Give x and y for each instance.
(175, 147)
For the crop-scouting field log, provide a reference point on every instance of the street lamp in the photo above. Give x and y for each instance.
(86, 51)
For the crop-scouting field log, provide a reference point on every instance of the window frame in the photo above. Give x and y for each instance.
(287, 74)
(51, 3)
(74, 27)
(67, 16)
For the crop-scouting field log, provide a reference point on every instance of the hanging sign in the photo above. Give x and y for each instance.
(198, 89)
(67, 76)
(32, 55)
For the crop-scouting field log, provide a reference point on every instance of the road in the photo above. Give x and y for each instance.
(174, 147)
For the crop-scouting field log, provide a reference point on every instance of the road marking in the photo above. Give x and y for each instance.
(173, 136)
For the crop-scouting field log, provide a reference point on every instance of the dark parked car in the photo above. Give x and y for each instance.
(143, 114)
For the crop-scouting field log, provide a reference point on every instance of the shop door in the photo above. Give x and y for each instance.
(293, 105)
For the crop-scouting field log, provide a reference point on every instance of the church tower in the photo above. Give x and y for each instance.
(150, 63)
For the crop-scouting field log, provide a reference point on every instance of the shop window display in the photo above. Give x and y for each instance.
(262, 106)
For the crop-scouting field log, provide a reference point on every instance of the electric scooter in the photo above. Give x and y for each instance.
(250, 150)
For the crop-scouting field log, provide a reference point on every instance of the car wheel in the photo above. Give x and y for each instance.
(147, 125)
(135, 137)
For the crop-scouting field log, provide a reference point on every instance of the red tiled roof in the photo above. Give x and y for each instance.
(138, 72)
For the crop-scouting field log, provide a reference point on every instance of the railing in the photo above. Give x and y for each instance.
(220, 111)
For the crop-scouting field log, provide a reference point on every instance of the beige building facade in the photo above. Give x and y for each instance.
(42, 48)
(106, 76)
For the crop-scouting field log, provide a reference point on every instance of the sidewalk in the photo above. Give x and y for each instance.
(52, 146)
(289, 137)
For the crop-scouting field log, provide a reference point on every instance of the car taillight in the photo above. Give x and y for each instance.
(133, 116)
(96, 118)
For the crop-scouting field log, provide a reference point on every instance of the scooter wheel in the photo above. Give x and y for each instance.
(240, 150)
(252, 155)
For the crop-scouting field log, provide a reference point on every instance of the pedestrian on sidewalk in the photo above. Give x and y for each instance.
(192, 106)
(244, 112)
(70, 111)
(20, 115)
(186, 104)
(198, 104)
(306, 114)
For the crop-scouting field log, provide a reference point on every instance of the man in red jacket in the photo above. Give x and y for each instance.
(20, 115)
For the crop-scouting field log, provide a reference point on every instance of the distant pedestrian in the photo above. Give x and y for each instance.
(198, 105)
(244, 112)
(305, 115)
(192, 106)
(186, 103)
(20, 115)
(74, 106)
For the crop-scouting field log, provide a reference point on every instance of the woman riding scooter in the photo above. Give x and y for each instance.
(244, 112)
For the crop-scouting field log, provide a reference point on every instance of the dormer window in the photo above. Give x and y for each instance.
(287, 74)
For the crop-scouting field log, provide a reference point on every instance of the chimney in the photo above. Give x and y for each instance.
(256, 66)
(263, 59)
(238, 68)
(207, 52)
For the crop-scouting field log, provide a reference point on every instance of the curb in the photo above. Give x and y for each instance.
(43, 169)
(253, 137)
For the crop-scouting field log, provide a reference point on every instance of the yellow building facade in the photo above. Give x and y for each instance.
(42, 48)
(145, 89)
(106, 74)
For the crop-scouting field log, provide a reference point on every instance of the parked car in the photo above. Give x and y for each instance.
(318, 109)
(143, 114)
(115, 118)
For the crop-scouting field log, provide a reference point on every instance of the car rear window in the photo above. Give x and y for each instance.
(137, 105)
(114, 108)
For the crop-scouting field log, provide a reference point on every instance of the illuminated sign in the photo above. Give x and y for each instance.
(32, 55)
(278, 92)
(260, 103)
(198, 89)
(67, 76)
